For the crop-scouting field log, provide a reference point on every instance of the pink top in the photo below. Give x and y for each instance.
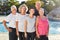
(43, 26)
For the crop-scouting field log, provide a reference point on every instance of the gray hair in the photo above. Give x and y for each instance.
(13, 6)
(42, 9)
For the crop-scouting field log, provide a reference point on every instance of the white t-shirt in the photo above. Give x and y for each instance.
(11, 19)
(31, 24)
(21, 19)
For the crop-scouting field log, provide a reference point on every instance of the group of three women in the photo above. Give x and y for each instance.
(27, 26)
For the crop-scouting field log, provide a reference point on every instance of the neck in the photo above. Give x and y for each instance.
(23, 13)
(14, 13)
(30, 15)
(38, 9)
(41, 16)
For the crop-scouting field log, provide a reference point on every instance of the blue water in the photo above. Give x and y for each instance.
(54, 27)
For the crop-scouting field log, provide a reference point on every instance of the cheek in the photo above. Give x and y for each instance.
(14, 11)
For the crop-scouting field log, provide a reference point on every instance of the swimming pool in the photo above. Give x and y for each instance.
(54, 27)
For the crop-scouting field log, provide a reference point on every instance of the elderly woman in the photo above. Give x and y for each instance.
(11, 19)
(20, 21)
(42, 26)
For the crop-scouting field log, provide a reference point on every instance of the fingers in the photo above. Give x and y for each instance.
(25, 35)
(17, 33)
(10, 30)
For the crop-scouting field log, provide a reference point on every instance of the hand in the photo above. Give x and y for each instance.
(47, 35)
(38, 35)
(9, 30)
(17, 33)
(25, 35)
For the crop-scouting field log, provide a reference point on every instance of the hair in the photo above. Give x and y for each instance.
(31, 8)
(42, 9)
(38, 2)
(23, 5)
(13, 6)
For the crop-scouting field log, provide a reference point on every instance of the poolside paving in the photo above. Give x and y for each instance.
(4, 36)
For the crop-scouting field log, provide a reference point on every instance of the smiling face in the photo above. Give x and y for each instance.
(41, 12)
(32, 11)
(13, 10)
(38, 5)
(23, 9)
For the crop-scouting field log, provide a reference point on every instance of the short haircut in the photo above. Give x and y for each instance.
(13, 6)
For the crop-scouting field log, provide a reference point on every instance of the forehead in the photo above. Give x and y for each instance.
(37, 3)
(41, 10)
(13, 8)
(23, 7)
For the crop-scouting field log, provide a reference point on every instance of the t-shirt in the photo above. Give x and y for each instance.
(30, 24)
(11, 19)
(21, 19)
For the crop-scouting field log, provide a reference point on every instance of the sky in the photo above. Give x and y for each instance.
(21, 0)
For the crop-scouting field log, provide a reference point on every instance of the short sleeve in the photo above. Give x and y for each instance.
(7, 18)
(17, 16)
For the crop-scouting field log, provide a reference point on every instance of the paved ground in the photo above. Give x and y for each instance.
(4, 36)
(2, 18)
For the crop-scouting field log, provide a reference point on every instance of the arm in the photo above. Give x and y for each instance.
(36, 25)
(4, 23)
(17, 28)
(47, 31)
(25, 26)
(47, 28)
(37, 28)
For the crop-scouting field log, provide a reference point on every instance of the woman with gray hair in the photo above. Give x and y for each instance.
(20, 21)
(42, 26)
(11, 19)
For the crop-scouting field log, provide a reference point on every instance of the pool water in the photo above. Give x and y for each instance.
(54, 27)
(2, 28)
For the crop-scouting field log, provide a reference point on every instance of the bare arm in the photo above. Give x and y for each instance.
(4, 23)
(25, 26)
(17, 28)
(37, 34)
(47, 31)
(36, 25)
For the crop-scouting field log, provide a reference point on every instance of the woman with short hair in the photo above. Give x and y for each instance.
(11, 27)
(42, 26)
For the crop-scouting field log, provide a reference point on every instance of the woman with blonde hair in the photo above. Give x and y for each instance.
(20, 21)
(11, 28)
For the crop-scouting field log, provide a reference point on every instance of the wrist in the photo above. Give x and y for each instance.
(25, 32)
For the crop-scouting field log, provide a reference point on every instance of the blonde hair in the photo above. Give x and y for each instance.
(23, 5)
(13, 6)
(38, 2)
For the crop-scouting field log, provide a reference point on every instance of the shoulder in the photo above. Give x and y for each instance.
(26, 16)
(38, 16)
(45, 17)
(9, 15)
(17, 13)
